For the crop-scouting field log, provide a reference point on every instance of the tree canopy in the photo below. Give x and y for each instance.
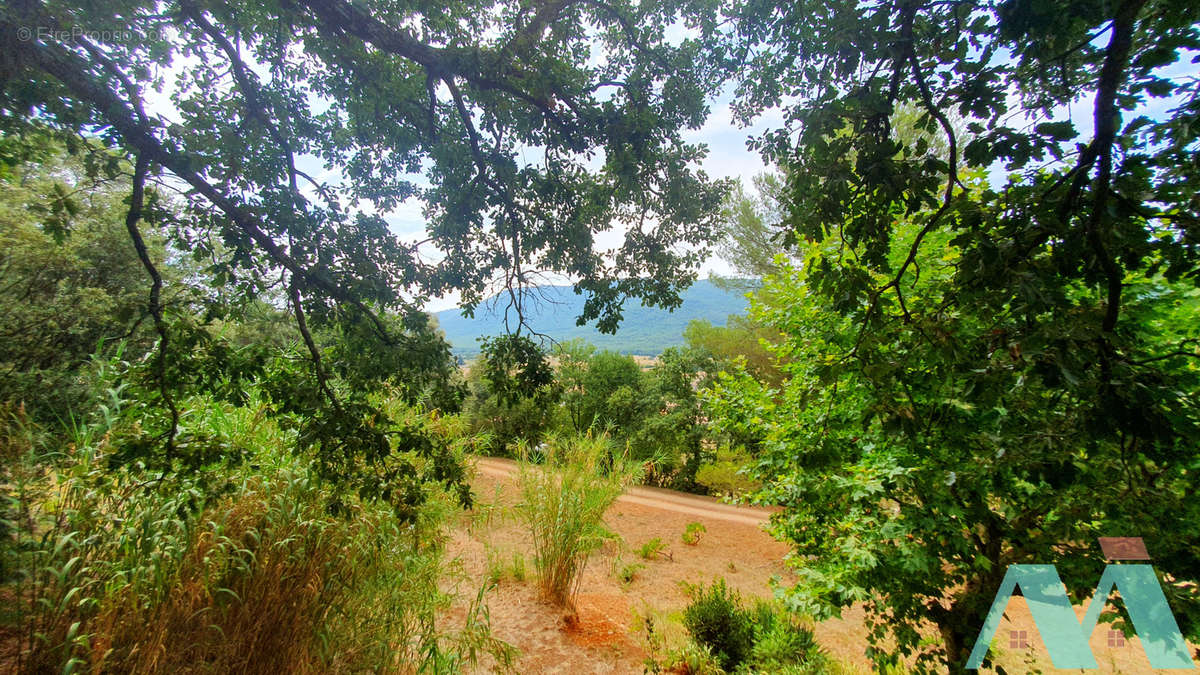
(288, 132)
(534, 126)
(978, 376)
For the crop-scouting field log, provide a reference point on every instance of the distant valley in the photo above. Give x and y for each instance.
(644, 330)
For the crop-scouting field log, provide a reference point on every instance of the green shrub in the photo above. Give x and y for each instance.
(694, 659)
(692, 533)
(716, 620)
(651, 549)
(563, 502)
(626, 572)
(765, 615)
(783, 644)
(518, 567)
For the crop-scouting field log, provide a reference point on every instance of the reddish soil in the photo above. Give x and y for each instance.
(603, 636)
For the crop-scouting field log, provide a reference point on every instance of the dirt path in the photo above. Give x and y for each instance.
(604, 636)
(659, 498)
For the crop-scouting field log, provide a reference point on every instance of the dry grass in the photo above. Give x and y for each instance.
(248, 597)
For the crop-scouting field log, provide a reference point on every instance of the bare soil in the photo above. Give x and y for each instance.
(603, 634)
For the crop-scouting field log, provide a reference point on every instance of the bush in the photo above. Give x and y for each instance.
(651, 549)
(626, 572)
(695, 659)
(765, 639)
(784, 644)
(563, 503)
(692, 533)
(725, 474)
(716, 620)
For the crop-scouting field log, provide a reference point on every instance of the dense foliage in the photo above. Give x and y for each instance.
(974, 338)
(63, 300)
(716, 620)
(983, 372)
(760, 639)
(512, 392)
(241, 566)
(239, 109)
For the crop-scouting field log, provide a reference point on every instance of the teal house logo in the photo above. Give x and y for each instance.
(1066, 637)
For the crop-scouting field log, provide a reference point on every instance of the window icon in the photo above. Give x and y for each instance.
(1018, 639)
(1116, 638)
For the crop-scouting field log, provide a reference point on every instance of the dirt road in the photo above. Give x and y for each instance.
(666, 500)
(603, 638)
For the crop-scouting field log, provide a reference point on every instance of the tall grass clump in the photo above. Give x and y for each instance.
(563, 501)
(236, 568)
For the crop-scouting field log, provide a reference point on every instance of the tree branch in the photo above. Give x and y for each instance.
(140, 170)
(313, 352)
(1107, 120)
(72, 72)
(438, 62)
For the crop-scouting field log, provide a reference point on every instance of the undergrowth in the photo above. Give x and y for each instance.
(651, 549)
(717, 634)
(238, 567)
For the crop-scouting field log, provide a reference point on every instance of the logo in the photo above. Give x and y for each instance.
(1066, 638)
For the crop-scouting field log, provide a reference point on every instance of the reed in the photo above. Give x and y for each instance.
(563, 500)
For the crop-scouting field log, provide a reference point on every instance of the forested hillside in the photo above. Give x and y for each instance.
(553, 310)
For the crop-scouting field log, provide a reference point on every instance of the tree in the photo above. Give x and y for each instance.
(602, 390)
(984, 372)
(739, 340)
(70, 283)
(675, 426)
(657, 413)
(236, 106)
(612, 394)
(571, 365)
(512, 391)
(751, 232)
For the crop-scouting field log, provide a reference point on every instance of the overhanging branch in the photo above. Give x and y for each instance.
(72, 72)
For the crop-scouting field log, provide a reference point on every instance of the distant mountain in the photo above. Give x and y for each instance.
(644, 330)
